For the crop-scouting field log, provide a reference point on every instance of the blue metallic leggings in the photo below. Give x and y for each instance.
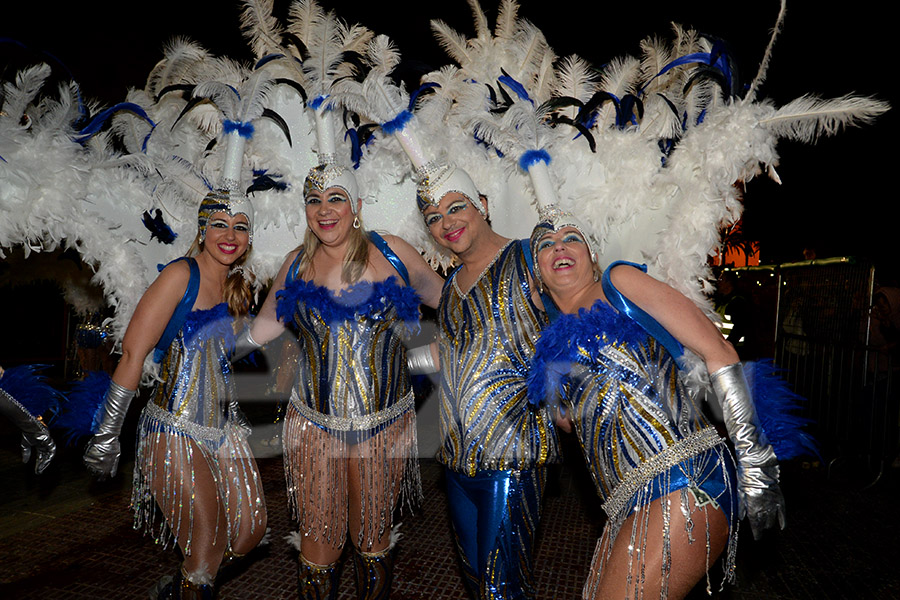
(495, 517)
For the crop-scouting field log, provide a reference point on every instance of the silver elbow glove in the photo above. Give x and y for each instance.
(420, 361)
(244, 344)
(101, 456)
(35, 434)
(760, 496)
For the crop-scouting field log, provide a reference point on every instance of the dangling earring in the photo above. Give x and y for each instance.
(596, 275)
(356, 223)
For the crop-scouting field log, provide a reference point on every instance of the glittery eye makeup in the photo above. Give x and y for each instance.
(433, 217)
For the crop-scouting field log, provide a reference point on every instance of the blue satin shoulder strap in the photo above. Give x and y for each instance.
(637, 314)
(382, 246)
(181, 311)
(389, 254)
(292, 272)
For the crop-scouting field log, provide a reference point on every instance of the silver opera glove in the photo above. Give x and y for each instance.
(35, 435)
(760, 495)
(101, 456)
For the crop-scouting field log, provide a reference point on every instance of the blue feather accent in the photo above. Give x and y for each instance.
(316, 102)
(422, 88)
(533, 157)
(100, 120)
(210, 323)
(266, 59)
(263, 181)
(30, 389)
(158, 227)
(363, 299)
(355, 147)
(397, 123)
(777, 407)
(515, 86)
(562, 342)
(245, 130)
(83, 403)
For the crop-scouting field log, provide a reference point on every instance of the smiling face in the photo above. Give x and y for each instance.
(329, 215)
(227, 237)
(564, 260)
(455, 223)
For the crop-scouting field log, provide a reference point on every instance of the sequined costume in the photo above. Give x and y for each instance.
(494, 444)
(352, 387)
(640, 431)
(189, 419)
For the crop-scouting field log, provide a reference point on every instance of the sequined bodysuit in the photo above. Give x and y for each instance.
(352, 389)
(494, 444)
(641, 432)
(354, 367)
(487, 337)
(189, 418)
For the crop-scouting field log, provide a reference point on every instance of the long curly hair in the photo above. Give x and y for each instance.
(238, 284)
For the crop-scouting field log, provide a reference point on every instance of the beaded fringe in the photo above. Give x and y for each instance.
(316, 469)
(639, 533)
(163, 440)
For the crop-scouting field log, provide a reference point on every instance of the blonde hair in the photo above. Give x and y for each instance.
(238, 290)
(355, 260)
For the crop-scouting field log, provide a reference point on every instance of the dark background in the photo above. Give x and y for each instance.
(835, 197)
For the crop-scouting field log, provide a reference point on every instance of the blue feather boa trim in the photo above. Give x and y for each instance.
(777, 407)
(561, 343)
(245, 130)
(398, 123)
(30, 389)
(83, 402)
(363, 299)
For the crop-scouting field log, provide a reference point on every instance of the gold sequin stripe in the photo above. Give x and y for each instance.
(691, 446)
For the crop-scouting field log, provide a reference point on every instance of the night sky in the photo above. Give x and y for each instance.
(835, 195)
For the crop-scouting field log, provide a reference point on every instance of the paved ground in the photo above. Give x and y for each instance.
(64, 536)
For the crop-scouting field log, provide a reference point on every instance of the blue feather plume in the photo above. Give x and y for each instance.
(777, 407)
(83, 402)
(30, 389)
(158, 227)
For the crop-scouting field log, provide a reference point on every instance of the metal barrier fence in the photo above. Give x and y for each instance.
(823, 340)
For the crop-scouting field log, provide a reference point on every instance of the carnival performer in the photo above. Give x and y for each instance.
(665, 475)
(192, 456)
(495, 446)
(352, 299)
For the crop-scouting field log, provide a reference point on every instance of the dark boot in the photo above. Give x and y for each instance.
(318, 582)
(374, 573)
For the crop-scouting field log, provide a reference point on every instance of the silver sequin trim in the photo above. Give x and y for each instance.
(354, 423)
(691, 446)
(198, 432)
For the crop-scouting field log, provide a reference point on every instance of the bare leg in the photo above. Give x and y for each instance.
(318, 466)
(243, 497)
(624, 572)
(185, 489)
(375, 478)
